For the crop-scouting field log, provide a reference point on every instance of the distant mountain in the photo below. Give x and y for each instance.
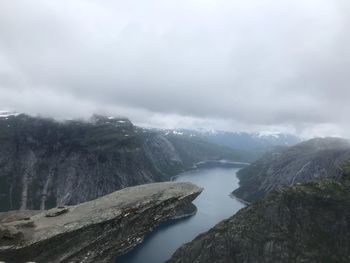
(287, 166)
(45, 163)
(256, 143)
(303, 223)
(184, 145)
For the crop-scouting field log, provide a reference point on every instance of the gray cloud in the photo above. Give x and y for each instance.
(227, 64)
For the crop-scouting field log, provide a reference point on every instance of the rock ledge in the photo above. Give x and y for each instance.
(95, 231)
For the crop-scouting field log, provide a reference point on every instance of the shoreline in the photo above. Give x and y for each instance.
(212, 163)
(239, 199)
(186, 211)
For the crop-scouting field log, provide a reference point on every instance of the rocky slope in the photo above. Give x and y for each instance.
(286, 166)
(45, 163)
(95, 231)
(193, 149)
(304, 223)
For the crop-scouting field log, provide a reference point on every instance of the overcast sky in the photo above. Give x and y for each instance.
(225, 64)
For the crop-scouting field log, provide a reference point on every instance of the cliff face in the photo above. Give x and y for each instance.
(95, 231)
(287, 166)
(45, 163)
(305, 223)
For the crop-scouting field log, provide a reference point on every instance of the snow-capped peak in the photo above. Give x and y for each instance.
(273, 134)
(5, 114)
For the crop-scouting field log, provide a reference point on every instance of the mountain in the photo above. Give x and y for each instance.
(95, 231)
(255, 143)
(46, 163)
(194, 148)
(286, 166)
(258, 141)
(303, 223)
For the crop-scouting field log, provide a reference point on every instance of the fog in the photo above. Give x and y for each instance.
(234, 65)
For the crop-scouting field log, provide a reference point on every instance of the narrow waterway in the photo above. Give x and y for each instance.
(214, 205)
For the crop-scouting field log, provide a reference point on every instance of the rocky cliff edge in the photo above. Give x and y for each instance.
(95, 231)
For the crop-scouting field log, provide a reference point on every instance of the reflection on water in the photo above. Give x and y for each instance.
(214, 205)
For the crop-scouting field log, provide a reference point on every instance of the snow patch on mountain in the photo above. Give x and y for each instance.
(6, 114)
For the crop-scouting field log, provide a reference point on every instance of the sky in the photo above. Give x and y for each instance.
(278, 65)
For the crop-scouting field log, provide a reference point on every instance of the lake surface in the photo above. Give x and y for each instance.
(214, 204)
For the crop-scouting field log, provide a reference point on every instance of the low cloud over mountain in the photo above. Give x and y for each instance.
(226, 64)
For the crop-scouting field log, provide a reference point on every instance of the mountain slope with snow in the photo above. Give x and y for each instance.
(44, 163)
(257, 143)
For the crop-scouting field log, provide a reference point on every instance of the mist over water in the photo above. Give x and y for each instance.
(214, 205)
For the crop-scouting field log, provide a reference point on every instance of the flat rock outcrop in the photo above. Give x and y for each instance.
(94, 231)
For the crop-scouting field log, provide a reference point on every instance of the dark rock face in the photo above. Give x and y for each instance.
(95, 231)
(305, 223)
(45, 163)
(185, 211)
(308, 161)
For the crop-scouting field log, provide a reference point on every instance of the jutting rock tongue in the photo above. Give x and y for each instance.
(95, 231)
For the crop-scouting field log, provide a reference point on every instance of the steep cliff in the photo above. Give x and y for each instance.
(304, 223)
(95, 231)
(45, 163)
(286, 166)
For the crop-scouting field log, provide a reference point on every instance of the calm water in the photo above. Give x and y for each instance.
(214, 205)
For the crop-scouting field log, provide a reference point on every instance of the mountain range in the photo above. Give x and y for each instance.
(46, 163)
(255, 142)
(299, 211)
(297, 191)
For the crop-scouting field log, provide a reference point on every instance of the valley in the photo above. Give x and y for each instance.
(179, 131)
(213, 205)
(46, 163)
(279, 197)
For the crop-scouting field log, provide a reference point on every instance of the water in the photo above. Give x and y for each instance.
(214, 205)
